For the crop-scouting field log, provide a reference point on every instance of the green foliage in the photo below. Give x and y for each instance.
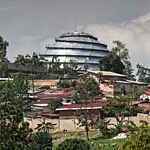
(87, 88)
(45, 126)
(70, 68)
(102, 125)
(121, 105)
(34, 60)
(118, 61)
(64, 84)
(3, 46)
(105, 144)
(121, 51)
(92, 87)
(113, 63)
(113, 110)
(140, 140)
(54, 65)
(57, 67)
(13, 131)
(74, 144)
(3, 60)
(52, 105)
(42, 141)
(143, 74)
(85, 122)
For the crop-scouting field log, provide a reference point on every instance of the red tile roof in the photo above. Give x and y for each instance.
(145, 106)
(89, 105)
(53, 94)
(147, 92)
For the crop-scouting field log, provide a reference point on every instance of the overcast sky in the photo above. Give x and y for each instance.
(27, 24)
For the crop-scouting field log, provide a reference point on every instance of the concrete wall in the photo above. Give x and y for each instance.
(72, 124)
(60, 124)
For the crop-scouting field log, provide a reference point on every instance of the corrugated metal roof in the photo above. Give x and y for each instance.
(107, 73)
(82, 106)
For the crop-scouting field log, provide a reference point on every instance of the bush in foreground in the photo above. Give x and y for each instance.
(140, 140)
(42, 140)
(74, 144)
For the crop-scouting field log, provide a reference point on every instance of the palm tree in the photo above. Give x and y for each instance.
(20, 60)
(45, 126)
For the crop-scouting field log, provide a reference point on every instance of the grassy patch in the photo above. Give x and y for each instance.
(97, 143)
(106, 144)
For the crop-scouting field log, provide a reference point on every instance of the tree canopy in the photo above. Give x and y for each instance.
(113, 63)
(118, 60)
(28, 60)
(143, 73)
(3, 61)
(14, 131)
(87, 88)
(74, 144)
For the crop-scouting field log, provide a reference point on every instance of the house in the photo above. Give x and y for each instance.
(46, 83)
(112, 84)
(146, 94)
(91, 108)
(41, 99)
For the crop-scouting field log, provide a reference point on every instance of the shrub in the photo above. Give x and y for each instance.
(53, 105)
(42, 140)
(64, 84)
(139, 140)
(74, 144)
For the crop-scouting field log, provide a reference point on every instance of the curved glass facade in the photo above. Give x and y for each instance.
(81, 48)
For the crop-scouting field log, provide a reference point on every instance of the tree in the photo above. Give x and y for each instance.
(92, 87)
(85, 122)
(54, 65)
(118, 60)
(102, 125)
(64, 83)
(20, 60)
(14, 132)
(121, 105)
(143, 74)
(85, 90)
(113, 63)
(3, 61)
(43, 137)
(42, 140)
(74, 144)
(52, 105)
(27, 60)
(70, 68)
(123, 53)
(45, 126)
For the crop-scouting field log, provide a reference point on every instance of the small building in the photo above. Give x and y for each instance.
(112, 84)
(41, 99)
(146, 94)
(92, 109)
(51, 84)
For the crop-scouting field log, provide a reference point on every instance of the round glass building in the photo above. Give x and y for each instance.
(80, 48)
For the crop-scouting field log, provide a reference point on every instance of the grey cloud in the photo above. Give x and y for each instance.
(49, 18)
(135, 34)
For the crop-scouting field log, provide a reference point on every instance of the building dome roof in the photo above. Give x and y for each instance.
(83, 48)
(78, 34)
